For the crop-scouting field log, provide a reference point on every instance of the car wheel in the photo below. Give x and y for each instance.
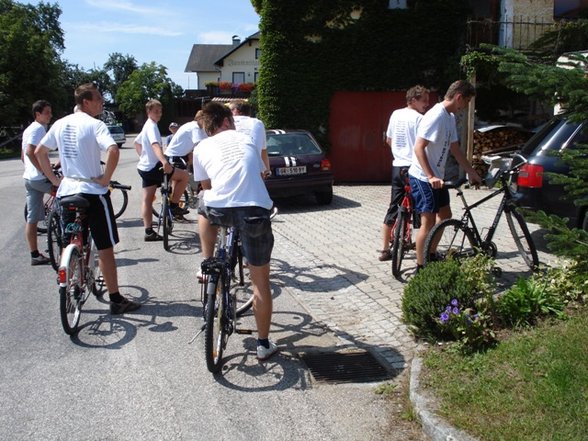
(119, 144)
(324, 197)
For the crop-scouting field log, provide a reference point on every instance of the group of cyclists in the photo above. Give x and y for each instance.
(230, 165)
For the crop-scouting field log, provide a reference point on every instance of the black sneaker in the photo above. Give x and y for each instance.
(179, 211)
(40, 260)
(152, 237)
(385, 255)
(125, 306)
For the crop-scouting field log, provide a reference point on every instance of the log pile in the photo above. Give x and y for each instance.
(496, 141)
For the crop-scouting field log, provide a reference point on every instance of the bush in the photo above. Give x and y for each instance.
(432, 289)
(526, 301)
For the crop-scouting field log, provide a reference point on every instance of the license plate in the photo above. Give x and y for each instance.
(289, 171)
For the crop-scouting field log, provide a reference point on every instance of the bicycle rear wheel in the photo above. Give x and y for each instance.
(401, 230)
(242, 286)
(54, 238)
(71, 295)
(214, 332)
(120, 200)
(450, 239)
(522, 237)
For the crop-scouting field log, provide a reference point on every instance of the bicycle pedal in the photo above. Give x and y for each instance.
(244, 331)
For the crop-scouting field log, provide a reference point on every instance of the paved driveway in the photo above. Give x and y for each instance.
(326, 257)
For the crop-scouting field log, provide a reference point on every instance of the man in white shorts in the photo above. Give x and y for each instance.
(36, 184)
(80, 139)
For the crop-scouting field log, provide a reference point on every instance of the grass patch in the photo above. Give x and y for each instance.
(8, 153)
(532, 386)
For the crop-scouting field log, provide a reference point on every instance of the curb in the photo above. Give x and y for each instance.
(434, 427)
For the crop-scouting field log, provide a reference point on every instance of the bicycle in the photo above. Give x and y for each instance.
(401, 233)
(224, 293)
(79, 273)
(54, 228)
(165, 217)
(460, 238)
(120, 198)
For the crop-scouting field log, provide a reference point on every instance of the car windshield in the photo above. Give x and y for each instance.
(552, 135)
(116, 129)
(289, 144)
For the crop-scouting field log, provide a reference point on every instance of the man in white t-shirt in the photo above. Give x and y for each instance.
(436, 137)
(253, 127)
(401, 137)
(179, 151)
(151, 167)
(80, 139)
(228, 166)
(36, 184)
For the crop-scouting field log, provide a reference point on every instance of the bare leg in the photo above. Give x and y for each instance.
(108, 268)
(427, 222)
(31, 235)
(208, 234)
(262, 300)
(147, 205)
(179, 183)
(386, 232)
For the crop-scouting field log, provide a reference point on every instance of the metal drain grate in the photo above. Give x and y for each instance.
(344, 367)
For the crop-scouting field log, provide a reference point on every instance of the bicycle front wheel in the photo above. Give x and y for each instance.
(214, 332)
(401, 231)
(120, 200)
(70, 295)
(54, 238)
(450, 239)
(167, 223)
(522, 237)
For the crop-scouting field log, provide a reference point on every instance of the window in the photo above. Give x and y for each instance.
(397, 4)
(238, 77)
(257, 53)
(570, 8)
(255, 77)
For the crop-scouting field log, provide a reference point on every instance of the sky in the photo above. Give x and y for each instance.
(160, 31)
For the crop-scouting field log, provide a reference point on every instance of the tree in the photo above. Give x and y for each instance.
(31, 41)
(150, 81)
(119, 67)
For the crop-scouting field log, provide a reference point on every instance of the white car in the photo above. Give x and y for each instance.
(118, 134)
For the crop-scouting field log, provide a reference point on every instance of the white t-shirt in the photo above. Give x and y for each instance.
(80, 140)
(402, 130)
(32, 135)
(252, 127)
(183, 142)
(149, 135)
(438, 127)
(233, 165)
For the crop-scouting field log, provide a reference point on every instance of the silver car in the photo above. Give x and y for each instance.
(118, 134)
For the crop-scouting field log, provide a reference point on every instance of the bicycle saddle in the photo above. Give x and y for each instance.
(74, 201)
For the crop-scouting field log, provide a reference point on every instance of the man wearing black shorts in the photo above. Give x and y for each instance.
(81, 138)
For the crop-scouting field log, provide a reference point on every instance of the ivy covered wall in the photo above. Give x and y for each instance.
(313, 48)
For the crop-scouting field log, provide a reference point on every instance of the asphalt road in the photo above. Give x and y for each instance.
(136, 377)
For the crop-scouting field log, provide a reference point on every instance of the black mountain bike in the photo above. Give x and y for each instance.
(460, 238)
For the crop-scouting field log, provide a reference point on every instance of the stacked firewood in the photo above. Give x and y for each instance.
(496, 141)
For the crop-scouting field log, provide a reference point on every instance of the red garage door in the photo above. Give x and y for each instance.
(357, 134)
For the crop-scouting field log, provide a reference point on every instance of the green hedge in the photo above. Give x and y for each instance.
(313, 48)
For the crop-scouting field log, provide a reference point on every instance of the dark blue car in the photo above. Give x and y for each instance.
(534, 189)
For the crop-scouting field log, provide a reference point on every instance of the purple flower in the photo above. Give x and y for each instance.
(448, 309)
(444, 317)
(455, 311)
(454, 302)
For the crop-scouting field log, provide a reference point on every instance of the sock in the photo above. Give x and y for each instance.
(35, 253)
(263, 342)
(115, 297)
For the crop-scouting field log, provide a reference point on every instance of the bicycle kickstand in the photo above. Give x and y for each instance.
(197, 334)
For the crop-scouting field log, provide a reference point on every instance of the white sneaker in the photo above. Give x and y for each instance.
(264, 353)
